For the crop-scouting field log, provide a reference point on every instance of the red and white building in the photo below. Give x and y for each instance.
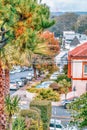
(77, 68)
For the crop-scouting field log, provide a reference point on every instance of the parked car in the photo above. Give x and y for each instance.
(67, 101)
(13, 85)
(20, 82)
(29, 76)
(12, 71)
(24, 80)
(53, 77)
(56, 125)
(72, 128)
(56, 73)
(45, 84)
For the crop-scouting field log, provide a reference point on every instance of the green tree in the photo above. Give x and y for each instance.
(11, 107)
(64, 22)
(81, 24)
(79, 111)
(25, 20)
(61, 77)
(64, 86)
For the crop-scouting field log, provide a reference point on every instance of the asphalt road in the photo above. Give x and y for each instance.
(58, 112)
(17, 75)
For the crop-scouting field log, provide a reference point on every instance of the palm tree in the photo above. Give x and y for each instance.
(65, 86)
(11, 107)
(25, 20)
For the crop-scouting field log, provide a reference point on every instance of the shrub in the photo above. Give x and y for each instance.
(30, 114)
(47, 94)
(19, 124)
(34, 90)
(45, 107)
(33, 116)
(61, 77)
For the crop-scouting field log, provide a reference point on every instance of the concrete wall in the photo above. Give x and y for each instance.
(80, 86)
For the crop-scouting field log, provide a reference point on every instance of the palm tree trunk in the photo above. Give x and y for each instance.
(2, 116)
(10, 122)
(7, 81)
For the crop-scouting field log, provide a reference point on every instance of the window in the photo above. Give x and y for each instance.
(85, 70)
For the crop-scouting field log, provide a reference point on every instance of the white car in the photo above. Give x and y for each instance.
(56, 73)
(72, 128)
(56, 125)
(53, 77)
(45, 84)
(13, 85)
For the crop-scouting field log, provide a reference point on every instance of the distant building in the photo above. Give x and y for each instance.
(69, 36)
(77, 68)
(61, 59)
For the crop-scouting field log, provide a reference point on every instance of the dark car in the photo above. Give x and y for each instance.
(24, 80)
(67, 101)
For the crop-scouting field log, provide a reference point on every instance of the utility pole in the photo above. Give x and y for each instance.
(3, 42)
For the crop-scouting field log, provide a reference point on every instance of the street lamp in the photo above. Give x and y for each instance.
(74, 90)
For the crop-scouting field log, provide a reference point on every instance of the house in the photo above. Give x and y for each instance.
(74, 43)
(61, 59)
(77, 68)
(69, 36)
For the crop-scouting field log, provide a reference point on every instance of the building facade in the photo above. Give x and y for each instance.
(77, 68)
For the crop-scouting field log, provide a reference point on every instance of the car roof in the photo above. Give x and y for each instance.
(55, 121)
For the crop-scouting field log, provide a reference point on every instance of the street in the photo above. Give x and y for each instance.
(17, 76)
(58, 112)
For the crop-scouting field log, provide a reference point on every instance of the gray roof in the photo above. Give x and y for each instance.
(75, 42)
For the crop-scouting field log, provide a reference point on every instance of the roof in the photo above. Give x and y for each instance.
(61, 54)
(75, 42)
(79, 51)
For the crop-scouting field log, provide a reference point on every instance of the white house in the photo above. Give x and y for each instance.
(68, 37)
(61, 59)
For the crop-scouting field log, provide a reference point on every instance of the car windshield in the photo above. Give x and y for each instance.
(55, 125)
(52, 125)
(58, 126)
(12, 82)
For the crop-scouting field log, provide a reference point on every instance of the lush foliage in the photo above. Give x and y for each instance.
(45, 94)
(64, 86)
(61, 77)
(51, 41)
(19, 124)
(69, 21)
(79, 111)
(33, 118)
(65, 69)
(81, 24)
(11, 107)
(64, 22)
(45, 108)
(21, 21)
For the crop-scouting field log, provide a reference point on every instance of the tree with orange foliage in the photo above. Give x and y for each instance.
(51, 41)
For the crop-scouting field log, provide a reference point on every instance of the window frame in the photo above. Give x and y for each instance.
(84, 74)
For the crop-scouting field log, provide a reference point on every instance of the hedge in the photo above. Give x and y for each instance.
(45, 107)
(34, 116)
